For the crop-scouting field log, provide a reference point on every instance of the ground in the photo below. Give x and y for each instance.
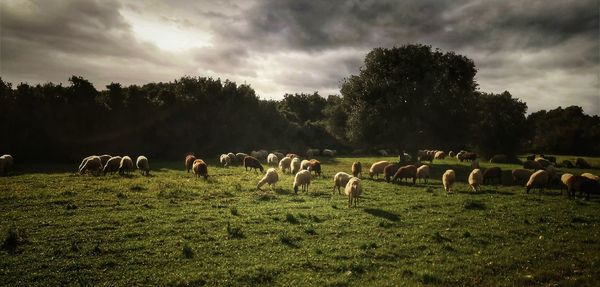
(170, 228)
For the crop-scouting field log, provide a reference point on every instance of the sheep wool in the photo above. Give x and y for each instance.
(302, 178)
(590, 176)
(93, 165)
(104, 158)
(378, 168)
(340, 180)
(295, 165)
(272, 159)
(353, 190)
(112, 165)
(356, 168)
(284, 164)
(126, 165)
(200, 168)
(476, 179)
(423, 172)
(304, 164)
(189, 161)
(143, 165)
(448, 179)
(225, 160)
(231, 157)
(271, 177)
(538, 179)
(239, 157)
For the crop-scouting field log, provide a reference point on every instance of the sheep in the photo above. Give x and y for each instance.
(567, 164)
(126, 165)
(582, 184)
(225, 160)
(312, 152)
(469, 156)
(339, 180)
(314, 165)
(590, 176)
(390, 170)
(426, 157)
(271, 177)
(112, 165)
(239, 157)
(353, 190)
(406, 172)
(272, 159)
(551, 159)
(499, 158)
(423, 172)
(304, 164)
(377, 168)
(476, 179)
(564, 179)
(552, 174)
(582, 163)
(448, 179)
(329, 152)
(543, 162)
(459, 155)
(302, 178)
(200, 168)
(262, 154)
(356, 168)
(530, 157)
(104, 158)
(231, 157)
(6, 163)
(143, 165)
(85, 159)
(189, 161)
(491, 174)
(278, 154)
(252, 163)
(383, 152)
(295, 165)
(93, 165)
(451, 154)
(521, 176)
(474, 164)
(440, 155)
(538, 179)
(532, 165)
(292, 155)
(284, 164)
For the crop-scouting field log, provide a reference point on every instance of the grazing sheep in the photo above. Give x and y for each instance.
(284, 164)
(278, 154)
(440, 155)
(339, 180)
(551, 159)
(538, 179)
(451, 154)
(552, 174)
(390, 170)
(590, 176)
(492, 174)
(353, 190)
(582, 163)
(112, 165)
(85, 159)
(530, 157)
(302, 178)
(262, 154)
(271, 177)
(200, 168)
(423, 172)
(499, 158)
(104, 158)
(252, 163)
(189, 161)
(225, 160)
(292, 155)
(295, 165)
(272, 159)
(231, 157)
(469, 156)
(564, 179)
(6, 163)
(239, 157)
(532, 165)
(356, 168)
(543, 162)
(377, 168)
(406, 172)
(329, 152)
(312, 152)
(126, 165)
(474, 164)
(521, 176)
(582, 184)
(448, 179)
(567, 164)
(314, 165)
(143, 165)
(426, 156)
(93, 165)
(476, 179)
(459, 155)
(304, 164)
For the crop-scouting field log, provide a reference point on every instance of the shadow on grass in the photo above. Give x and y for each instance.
(382, 214)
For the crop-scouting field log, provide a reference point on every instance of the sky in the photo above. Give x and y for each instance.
(546, 53)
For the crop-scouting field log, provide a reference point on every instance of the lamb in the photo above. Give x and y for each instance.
(252, 163)
(590, 176)
(582, 163)
(200, 168)
(476, 179)
(377, 168)
(272, 159)
(225, 160)
(538, 179)
(390, 170)
(340, 180)
(440, 155)
(271, 177)
(423, 172)
(143, 165)
(126, 165)
(582, 184)
(521, 176)
(492, 174)
(406, 172)
(104, 158)
(448, 179)
(353, 190)
(474, 164)
(239, 157)
(302, 178)
(329, 152)
(112, 165)
(284, 164)
(314, 165)
(93, 165)
(532, 165)
(295, 165)
(189, 161)
(6, 163)
(356, 168)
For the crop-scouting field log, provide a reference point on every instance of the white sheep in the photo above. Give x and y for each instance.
(295, 165)
(271, 177)
(6, 163)
(126, 165)
(302, 178)
(112, 165)
(448, 179)
(284, 164)
(304, 164)
(143, 165)
(440, 155)
(225, 160)
(340, 180)
(423, 172)
(378, 168)
(272, 159)
(538, 179)
(476, 179)
(353, 190)
(590, 176)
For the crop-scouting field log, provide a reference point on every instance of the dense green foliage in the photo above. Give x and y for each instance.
(173, 229)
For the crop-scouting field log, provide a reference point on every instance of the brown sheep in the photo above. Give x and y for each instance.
(189, 161)
(521, 176)
(200, 168)
(104, 158)
(499, 158)
(356, 168)
(582, 184)
(390, 170)
(582, 163)
(314, 165)
(492, 174)
(252, 163)
(530, 164)
(476, 179)
(406, 172)
(543, 162)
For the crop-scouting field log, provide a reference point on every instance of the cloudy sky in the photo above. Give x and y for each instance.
(543, 52)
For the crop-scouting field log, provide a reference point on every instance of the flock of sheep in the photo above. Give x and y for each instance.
(111, 164)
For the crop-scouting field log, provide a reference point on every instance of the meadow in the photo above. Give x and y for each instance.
(60, 228)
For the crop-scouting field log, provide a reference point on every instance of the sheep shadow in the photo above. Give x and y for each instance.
(382, 214)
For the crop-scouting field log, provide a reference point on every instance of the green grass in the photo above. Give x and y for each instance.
(174, 229)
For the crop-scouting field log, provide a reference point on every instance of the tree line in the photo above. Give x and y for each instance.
(403, 99)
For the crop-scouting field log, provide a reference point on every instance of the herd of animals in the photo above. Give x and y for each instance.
(537, 172)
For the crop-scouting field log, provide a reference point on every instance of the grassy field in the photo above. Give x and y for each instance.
(58, 228)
